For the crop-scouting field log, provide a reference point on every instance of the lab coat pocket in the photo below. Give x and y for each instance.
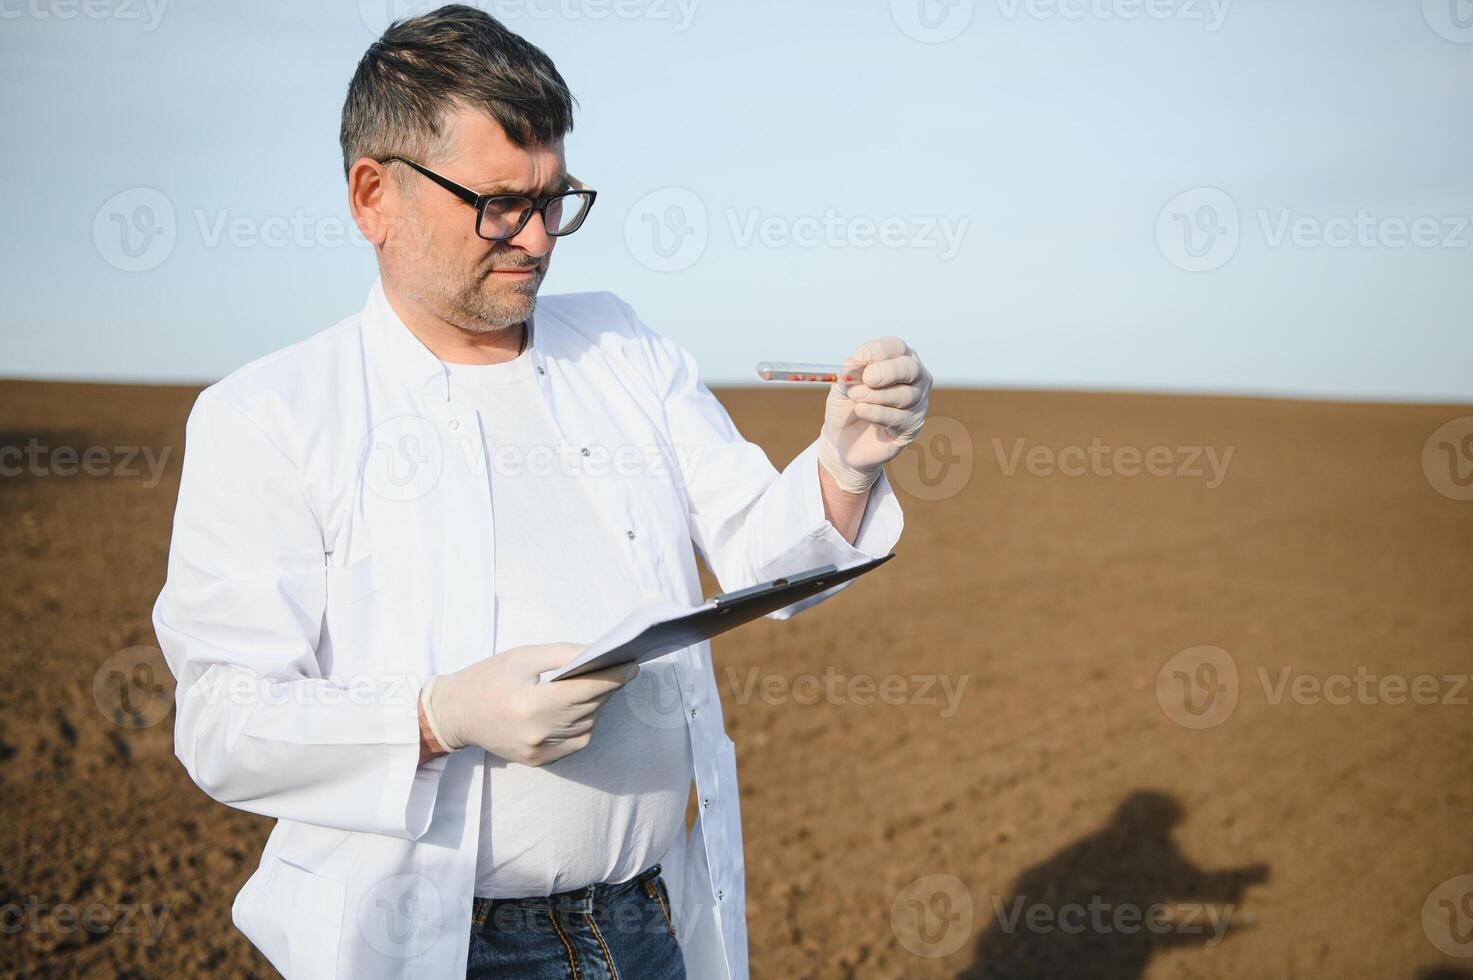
(301, 928)
(360, 622)
(356, 581)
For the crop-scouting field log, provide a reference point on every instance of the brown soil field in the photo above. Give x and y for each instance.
(1229, 708)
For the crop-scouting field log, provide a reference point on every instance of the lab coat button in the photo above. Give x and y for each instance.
(541, 369)
(584, 450)
(705, 802)
(720, 895)
(693, 712)
(630, 535)
(455, 423)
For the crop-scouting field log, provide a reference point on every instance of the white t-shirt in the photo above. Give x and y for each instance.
(609, 811)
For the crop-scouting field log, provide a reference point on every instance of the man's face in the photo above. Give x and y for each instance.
(438, 258)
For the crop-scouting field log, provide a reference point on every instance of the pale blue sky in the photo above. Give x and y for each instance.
(998, 181)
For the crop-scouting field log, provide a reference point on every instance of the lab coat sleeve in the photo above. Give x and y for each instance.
(257, 725)
(750, 522)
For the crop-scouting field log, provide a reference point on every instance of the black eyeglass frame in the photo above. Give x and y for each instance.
(537, 204)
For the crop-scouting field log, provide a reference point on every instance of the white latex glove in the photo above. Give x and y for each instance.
(501, 704)
(867, 424)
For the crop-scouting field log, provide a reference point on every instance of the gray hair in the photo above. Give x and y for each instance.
(427, 66)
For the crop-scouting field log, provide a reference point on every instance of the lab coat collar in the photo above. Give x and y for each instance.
(392, 348)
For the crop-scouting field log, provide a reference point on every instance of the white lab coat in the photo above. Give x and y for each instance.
(333, 548)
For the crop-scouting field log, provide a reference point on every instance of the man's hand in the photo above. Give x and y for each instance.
(501, 705)
(865, 425)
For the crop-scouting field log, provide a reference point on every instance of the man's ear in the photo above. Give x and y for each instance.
(372, 198)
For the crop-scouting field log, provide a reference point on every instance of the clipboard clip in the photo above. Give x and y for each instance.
(813, 577)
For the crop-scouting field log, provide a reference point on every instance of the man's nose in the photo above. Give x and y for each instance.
(533, 238)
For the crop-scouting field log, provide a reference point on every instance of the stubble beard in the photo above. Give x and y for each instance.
(483, 305)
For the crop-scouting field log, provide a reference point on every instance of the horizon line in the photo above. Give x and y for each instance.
(1430, 400)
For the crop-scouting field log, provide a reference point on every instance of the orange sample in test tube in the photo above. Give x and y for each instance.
(787, 372)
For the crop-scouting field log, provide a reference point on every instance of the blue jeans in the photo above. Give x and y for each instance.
(602, 932)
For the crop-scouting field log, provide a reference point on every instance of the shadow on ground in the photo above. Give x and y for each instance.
(1102, 907)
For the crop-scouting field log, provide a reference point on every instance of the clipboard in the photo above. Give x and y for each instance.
(654, 631)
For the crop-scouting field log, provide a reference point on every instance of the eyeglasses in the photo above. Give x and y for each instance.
(503, 216)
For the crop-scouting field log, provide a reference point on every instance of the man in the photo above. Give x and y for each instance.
(387, 532)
